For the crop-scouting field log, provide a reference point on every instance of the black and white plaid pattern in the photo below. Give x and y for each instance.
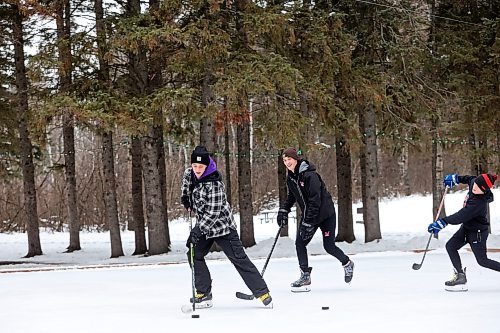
(209, 202)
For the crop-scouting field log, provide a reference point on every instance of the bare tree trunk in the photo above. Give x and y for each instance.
(369, 175)
(108, 155)
(138, 81)
(160, 150)
(30, 202)
(497, 148)
(482, 165)
(152, 190)
(207, 127)
(403, 168)
(110, 194)
(137, 202)
(282, 188)
(437, 169)
(245, 182)
(207, 134)
(63, 23)
(472, 144)
(344, 192)
(156, 82)
(227, 157)
(70, 173)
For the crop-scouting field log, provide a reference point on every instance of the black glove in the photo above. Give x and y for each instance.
(306, 231)
(195, 235)
(186, 202)
(282, 217)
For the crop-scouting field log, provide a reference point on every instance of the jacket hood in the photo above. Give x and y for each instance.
(211, 174)
(301, 167)
(211, 168)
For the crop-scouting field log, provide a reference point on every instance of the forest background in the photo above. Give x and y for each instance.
(102, 102)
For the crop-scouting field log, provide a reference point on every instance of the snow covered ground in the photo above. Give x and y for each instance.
(88, 292)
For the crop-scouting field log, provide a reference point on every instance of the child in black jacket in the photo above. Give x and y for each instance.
(306, 188)
(473, 229)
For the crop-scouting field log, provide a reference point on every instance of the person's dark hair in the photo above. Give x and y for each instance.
(291, 152)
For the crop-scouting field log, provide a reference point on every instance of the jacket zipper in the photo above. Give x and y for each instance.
(302, 197)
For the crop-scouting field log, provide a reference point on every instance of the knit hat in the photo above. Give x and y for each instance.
(291, 152)
(485, 181)
(200, 155)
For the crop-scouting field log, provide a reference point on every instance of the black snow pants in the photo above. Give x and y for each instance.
(328, 230)
(477, 241)
(232, 247)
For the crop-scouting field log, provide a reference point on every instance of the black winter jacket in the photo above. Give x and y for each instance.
(306, 187)
(473, 214)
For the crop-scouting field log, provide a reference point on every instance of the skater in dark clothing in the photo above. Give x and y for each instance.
(203, 193)
(473, 226)
(306, 187)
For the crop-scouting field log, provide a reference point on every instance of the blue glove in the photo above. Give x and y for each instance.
(282, 217)
(450, 180)
(436, 226)
(306, 231)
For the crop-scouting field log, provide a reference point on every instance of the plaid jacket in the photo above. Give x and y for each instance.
(208, 198)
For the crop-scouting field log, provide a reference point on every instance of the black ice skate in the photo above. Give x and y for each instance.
(457, 283)
(303, 284)
(348, 271)
(202, 301)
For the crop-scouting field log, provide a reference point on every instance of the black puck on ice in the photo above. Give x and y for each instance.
(325, 308)
(195, 316)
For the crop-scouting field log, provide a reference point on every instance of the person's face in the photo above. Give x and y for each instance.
(198, 169)
(290, 163)
(476, 189)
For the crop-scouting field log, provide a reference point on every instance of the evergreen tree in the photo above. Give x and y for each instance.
(28, 167)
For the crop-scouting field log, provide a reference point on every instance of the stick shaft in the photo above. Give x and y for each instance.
(191, 258)
(271, 252)
(437, 215)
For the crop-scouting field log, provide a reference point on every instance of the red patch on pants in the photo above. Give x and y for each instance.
(327, 233)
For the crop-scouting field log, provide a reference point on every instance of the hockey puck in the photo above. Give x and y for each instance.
(195, 316)
(325, 308)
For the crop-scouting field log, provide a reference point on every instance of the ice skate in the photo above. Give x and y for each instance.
(303, 284)
(348, 271)
(202, 301)
(458, 282)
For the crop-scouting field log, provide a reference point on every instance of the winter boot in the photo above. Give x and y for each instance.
(348, 271)
(202, 301)
(303, 284)
(267, 300)
(458, 282)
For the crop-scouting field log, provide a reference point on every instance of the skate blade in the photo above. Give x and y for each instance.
(458, 288)
(188, 308)
(269, 306)
(203, 305)
(302, 289)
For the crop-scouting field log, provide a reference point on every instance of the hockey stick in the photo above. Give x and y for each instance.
(191, 259)
(418, 266)
(250, 297)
